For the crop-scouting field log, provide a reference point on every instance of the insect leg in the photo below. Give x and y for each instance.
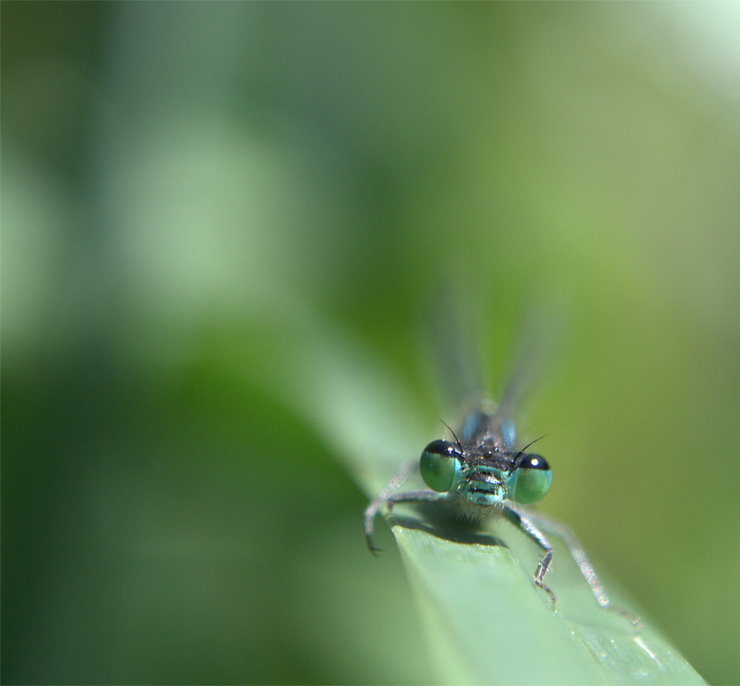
(578, 553)
(415, 497)
(391, 487)
(523, 522)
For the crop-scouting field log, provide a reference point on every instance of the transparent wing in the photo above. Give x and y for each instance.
(540, 337)
(449, 330)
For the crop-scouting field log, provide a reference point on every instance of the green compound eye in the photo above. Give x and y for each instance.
(532, 479)
(440, 465)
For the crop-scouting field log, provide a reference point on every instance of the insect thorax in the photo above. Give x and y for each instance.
(484, 486)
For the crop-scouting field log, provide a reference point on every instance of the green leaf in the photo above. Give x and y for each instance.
(485, 620)
(488, 623)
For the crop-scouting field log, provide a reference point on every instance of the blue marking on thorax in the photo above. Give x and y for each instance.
(480, 426)
(508, 431)
(471, 425)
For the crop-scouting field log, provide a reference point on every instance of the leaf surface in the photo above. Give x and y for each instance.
(485, 620)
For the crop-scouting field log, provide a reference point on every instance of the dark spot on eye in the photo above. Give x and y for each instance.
(534, 462)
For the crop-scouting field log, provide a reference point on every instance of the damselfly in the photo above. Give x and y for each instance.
(482, 474)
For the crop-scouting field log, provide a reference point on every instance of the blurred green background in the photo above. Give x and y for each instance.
(180, 179)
